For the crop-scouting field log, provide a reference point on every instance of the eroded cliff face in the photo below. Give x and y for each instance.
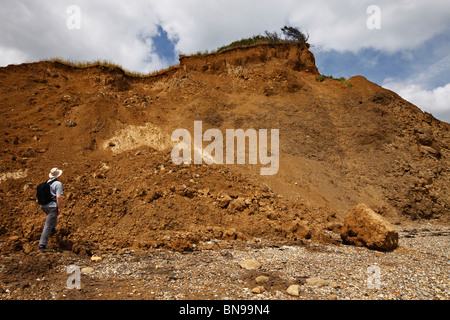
(291, 56)
(340, 144)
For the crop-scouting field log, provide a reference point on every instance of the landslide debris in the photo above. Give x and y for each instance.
(110, 132)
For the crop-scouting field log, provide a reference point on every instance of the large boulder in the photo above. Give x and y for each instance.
(363, 227)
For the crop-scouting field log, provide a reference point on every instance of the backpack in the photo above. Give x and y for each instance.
(43, 194)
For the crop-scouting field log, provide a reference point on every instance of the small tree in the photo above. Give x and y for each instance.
(295, 34)
(272, 36)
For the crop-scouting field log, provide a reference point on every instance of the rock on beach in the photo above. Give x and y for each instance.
(293, 290)
(250, 264)
(363, 227)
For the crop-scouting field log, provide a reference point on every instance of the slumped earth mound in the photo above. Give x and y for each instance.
(341, 143)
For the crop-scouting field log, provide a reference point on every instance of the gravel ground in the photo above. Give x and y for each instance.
(418, 269)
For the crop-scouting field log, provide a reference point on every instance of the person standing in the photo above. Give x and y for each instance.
(53, 208)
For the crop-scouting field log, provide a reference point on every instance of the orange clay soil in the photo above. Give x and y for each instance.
(341, 143)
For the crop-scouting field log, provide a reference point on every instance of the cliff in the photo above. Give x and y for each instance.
(340, 143)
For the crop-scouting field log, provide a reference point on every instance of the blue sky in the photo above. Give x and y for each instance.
(420, 75)
(377, 65)
(165, 47)
(409, 53)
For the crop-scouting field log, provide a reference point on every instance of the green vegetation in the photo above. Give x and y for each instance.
(295, 34)
(245, 42)
(291, 35)
(323, 77)
(99, 63)
(341, 80)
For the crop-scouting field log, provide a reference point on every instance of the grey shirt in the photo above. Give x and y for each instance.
(56, 188)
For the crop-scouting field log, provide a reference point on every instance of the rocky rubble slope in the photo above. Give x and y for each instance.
(341, 143)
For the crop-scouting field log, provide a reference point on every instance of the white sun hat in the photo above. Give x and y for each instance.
(55, 173)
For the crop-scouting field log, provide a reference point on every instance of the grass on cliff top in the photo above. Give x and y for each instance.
(293, 35)
(105, 64)
(245, 42)
(254, 40)
(342, 80)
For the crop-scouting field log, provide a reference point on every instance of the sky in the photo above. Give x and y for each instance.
(402, 45)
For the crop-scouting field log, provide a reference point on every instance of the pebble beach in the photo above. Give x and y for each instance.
(258, 270)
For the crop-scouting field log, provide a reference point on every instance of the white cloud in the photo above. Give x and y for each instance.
(37, 28)
(121, 31)
(332, 24)
(11, 56)
(435, 101)
(206, 25)
(419, 90)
